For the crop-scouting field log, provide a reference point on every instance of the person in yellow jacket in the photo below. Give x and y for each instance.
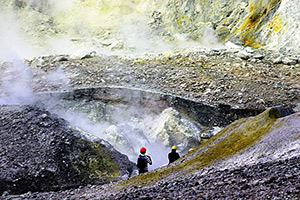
(173, 155)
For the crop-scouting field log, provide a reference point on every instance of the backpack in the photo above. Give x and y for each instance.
(142, 162)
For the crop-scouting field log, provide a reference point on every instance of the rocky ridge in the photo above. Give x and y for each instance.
(241, 78)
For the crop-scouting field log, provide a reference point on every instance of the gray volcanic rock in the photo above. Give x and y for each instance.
(271, 180)
(216, 77)
(40, 152)
(260, 181)
(275, 178)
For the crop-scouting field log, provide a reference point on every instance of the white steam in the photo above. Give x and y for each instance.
(15, 75)
(118, 27)
(64, 27)
(16, 84)
(137, 35)
(126, 129)
(58, 79)
(209, 38)
(13, 44)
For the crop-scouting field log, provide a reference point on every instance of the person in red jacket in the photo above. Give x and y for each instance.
(143, 161)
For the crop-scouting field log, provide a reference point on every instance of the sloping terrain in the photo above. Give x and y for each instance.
(256, 81)
(40, 152)
(216, 169)
(242, 137)
(252, 64)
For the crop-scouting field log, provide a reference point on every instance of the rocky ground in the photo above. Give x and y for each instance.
(272, 180)
(244, 78)
(40, 152)
(262, 181)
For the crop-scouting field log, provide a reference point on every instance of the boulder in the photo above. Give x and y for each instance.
(280, 111)
(173, 128)
(244, 55)
(289, 61)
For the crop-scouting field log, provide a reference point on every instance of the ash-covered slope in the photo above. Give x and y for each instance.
(254, 158)
(40, 152)
(244, 142)
(270, 180)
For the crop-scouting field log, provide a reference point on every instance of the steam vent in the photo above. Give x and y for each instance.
(85, 84)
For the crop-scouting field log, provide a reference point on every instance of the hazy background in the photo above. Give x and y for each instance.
(32, 28)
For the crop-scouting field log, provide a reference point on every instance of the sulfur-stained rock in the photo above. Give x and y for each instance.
(153, 25)
(175, 129)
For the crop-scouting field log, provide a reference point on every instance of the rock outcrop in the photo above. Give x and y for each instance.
(161, 25)
(40, 152)
(133, 117)
(173, 128)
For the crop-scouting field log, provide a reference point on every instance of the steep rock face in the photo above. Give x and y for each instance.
(162, 24)
(268, 24)
(39, 152)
